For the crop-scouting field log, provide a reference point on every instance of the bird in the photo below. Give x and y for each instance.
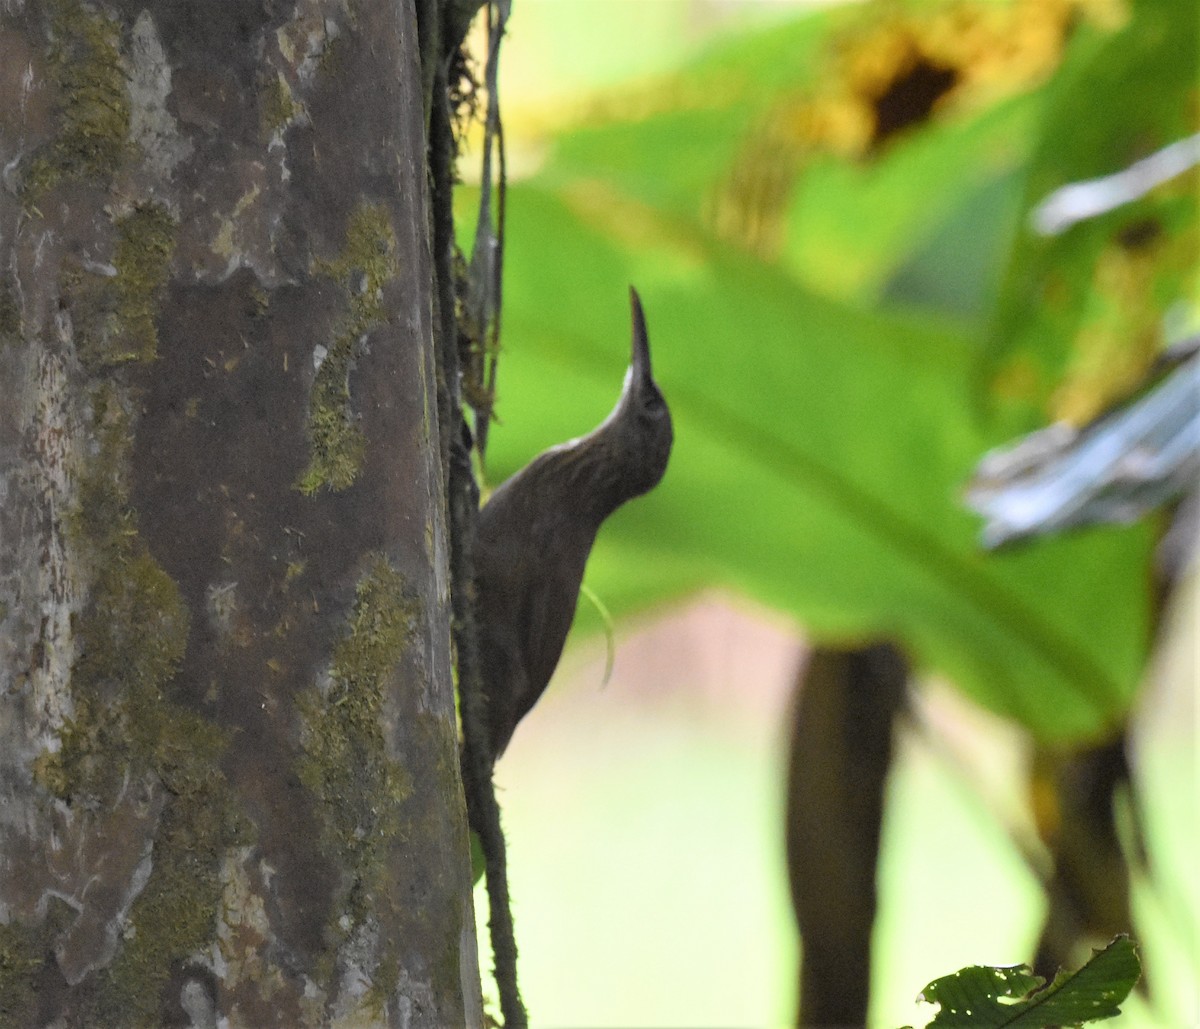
(536, 531)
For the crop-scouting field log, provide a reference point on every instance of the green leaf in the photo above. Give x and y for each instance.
(957, 264)
(982, 997)
(743, 143)
(820, 453)
(1079, 316)
(853, 225)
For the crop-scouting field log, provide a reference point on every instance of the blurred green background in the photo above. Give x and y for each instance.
(825, 209)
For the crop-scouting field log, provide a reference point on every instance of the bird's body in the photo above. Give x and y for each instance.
(536, 531)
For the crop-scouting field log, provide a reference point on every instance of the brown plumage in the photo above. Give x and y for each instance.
(537, 529)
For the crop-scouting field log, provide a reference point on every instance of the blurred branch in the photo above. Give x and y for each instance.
(485, 274)
(841, 753)
(1124, 464)
(1078, 799)
(1082, 200)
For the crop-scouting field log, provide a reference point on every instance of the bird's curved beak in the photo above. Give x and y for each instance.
(639, 360)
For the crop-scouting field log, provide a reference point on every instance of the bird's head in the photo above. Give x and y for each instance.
(640, 425)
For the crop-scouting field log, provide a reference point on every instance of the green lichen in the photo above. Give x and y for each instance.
(25, 950)
(145, 243)
(132, 637)
(385, 979)
(114, 316)
(358, 787)
(22, 955)
(93, 101)
(334, 55)
(175, 915)
(92, 301)
(10, 315)
(51, 773)
(260, 301)
(276, 106)
(365, 265)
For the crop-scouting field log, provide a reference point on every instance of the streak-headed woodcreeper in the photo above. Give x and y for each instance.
(537, 529)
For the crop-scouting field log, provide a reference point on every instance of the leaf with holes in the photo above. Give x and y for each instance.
(982, 997)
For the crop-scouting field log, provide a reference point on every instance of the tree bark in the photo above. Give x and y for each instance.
(229, 781)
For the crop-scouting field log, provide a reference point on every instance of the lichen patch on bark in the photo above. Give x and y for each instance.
(278, 108)
(10, 314)
(348, 766)
(256, 988)
(93, 101)
(366, 264)
(306, 38)
(145, 243)
(126, 743)
(114, 306)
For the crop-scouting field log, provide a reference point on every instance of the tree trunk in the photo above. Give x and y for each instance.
(229, 782)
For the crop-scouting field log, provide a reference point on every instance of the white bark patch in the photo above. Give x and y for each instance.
(354, 1006)
(151, 125)
(222, 603)
(197, 1004)
(243, 958)
(27, 81)
(242, 236)
(99, 867)
(58, 586)
(304, 40)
